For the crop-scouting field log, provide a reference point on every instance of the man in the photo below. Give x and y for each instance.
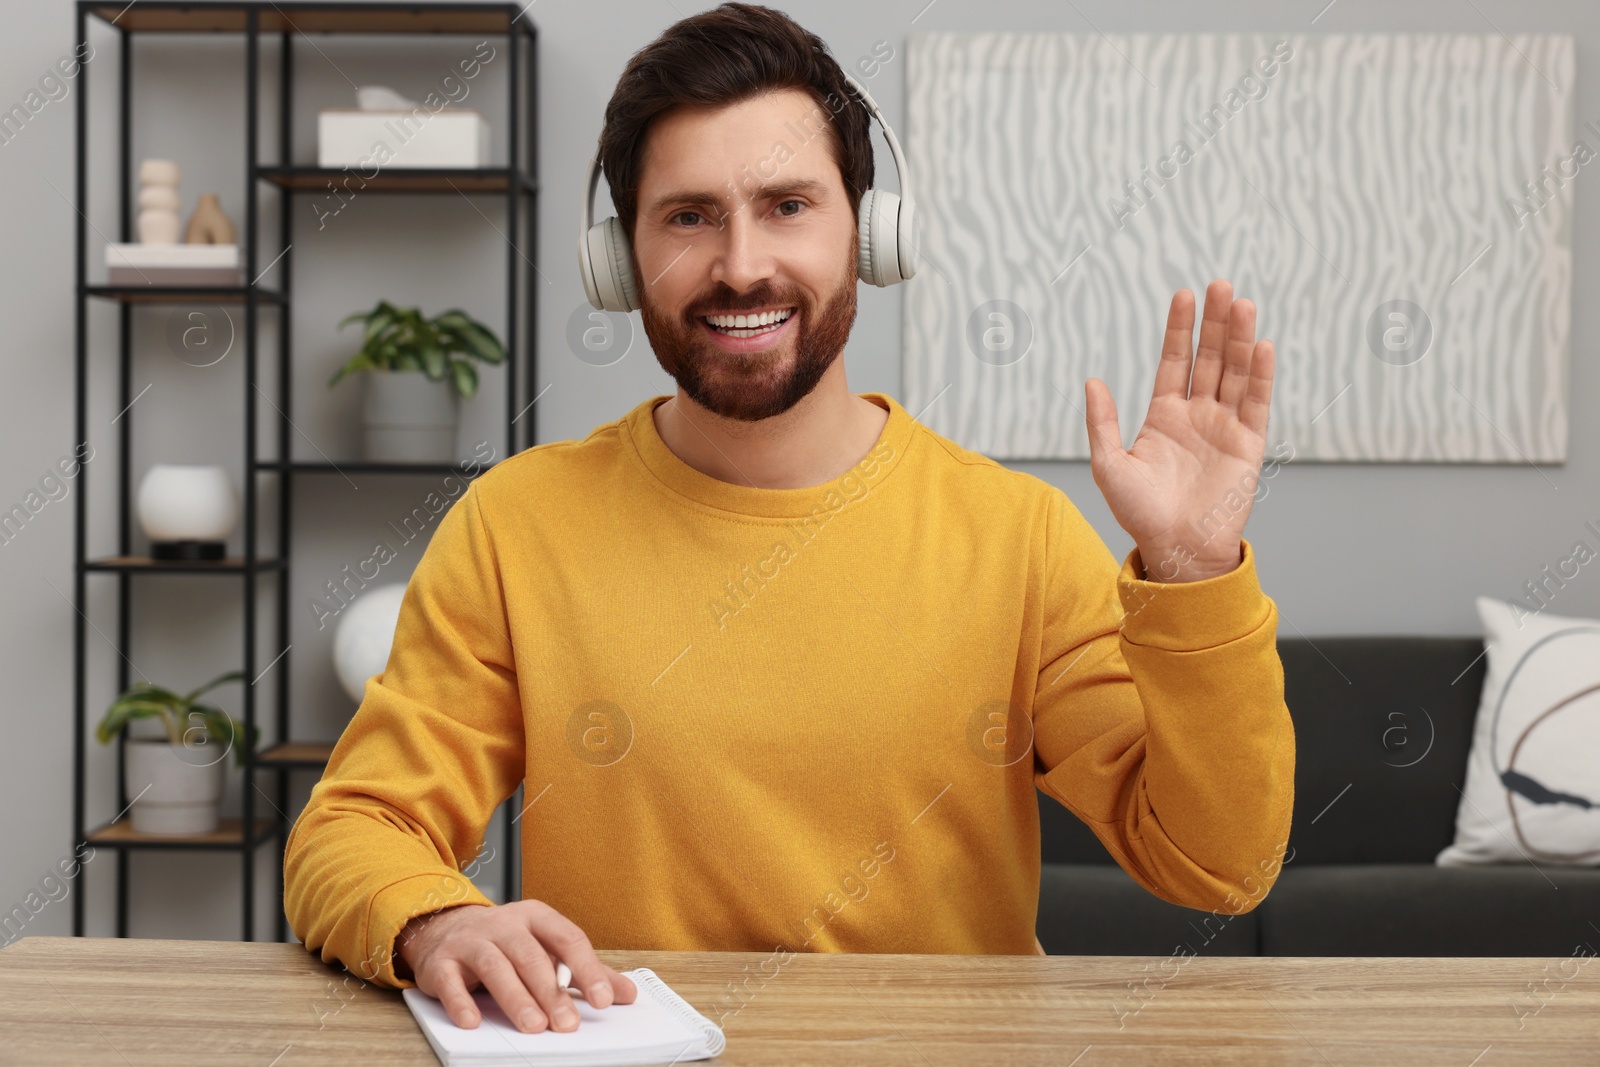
(780, 667)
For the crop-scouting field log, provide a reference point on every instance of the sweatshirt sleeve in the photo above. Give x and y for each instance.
(1159, 719)
(435, 747)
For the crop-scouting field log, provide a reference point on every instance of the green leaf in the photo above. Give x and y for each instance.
(122, 713)
(221, 679)
(386, 355)
(137, 703)
(142, 690)
(380, 319)
(464, 378)
(472, 336)
(361, 361)
(433, 357)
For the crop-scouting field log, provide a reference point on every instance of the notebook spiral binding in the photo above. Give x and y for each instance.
(716, 1041)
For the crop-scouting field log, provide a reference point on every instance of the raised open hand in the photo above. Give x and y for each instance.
(1185, 488)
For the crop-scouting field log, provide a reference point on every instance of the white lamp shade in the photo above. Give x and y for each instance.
(187, 502)
(364, 635)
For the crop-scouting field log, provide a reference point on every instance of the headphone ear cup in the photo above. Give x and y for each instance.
(880, 258)
(906, 241)
(611, 287)
(586, 264)
(622, 266)
(864, 228)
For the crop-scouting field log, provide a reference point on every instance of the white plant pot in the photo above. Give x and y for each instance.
(409, 418)
(179, 787)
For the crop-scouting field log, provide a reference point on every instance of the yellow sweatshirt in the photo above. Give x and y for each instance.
(808, 719)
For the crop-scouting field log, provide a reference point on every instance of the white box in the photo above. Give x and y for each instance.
(450, 137)
(175, 264)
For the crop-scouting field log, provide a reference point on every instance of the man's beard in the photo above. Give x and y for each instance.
(756, 385)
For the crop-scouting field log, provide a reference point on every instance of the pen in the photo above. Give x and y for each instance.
(564, 981)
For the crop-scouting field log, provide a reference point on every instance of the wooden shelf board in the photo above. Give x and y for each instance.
(155, 16)
(182, 294)
(363, 467)
(150, 565)
(228, 834)
(393, 179)
(296, 754)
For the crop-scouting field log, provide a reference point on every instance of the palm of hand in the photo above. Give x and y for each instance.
(1183, 490)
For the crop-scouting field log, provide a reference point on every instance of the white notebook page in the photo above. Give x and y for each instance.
(646, 1023)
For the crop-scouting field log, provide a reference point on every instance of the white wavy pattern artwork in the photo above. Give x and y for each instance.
(1397, 206)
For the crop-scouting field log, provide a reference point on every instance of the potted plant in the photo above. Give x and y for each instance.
(176, 779)
(420, 367)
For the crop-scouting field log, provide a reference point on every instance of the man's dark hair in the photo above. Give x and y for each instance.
(719, 58)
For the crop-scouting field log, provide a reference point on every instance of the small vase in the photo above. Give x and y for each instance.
(158, 202)
(178, 787)
(187, 510)
(208, 225)
(409, 418)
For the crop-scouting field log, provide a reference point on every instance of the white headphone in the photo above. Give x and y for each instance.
(886, 241)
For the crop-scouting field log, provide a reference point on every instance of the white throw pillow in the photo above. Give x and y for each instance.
(1532, 793)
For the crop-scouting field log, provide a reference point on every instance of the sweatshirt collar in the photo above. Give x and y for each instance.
(663, 464)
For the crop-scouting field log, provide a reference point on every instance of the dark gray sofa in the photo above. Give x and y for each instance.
(1361, 880)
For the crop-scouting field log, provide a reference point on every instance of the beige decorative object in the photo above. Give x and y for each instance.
(209, 225)
(159, 198)
(158, 202)
(207, 255)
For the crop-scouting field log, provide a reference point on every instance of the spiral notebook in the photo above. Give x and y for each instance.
(658, 1027)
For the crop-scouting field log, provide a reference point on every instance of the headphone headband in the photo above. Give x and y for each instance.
(901, 171)
(591, 184)
(585, 261)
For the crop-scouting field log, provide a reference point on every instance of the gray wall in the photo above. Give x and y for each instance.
(1343, 548)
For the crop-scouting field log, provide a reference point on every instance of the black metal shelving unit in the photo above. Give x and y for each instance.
(517, 181)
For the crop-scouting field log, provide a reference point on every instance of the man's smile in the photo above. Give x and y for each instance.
(750, 332)
(747, 324)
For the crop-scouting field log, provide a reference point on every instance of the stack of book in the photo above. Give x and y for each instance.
(173, 265)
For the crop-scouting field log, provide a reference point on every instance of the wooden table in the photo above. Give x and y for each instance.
(133, 1002)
